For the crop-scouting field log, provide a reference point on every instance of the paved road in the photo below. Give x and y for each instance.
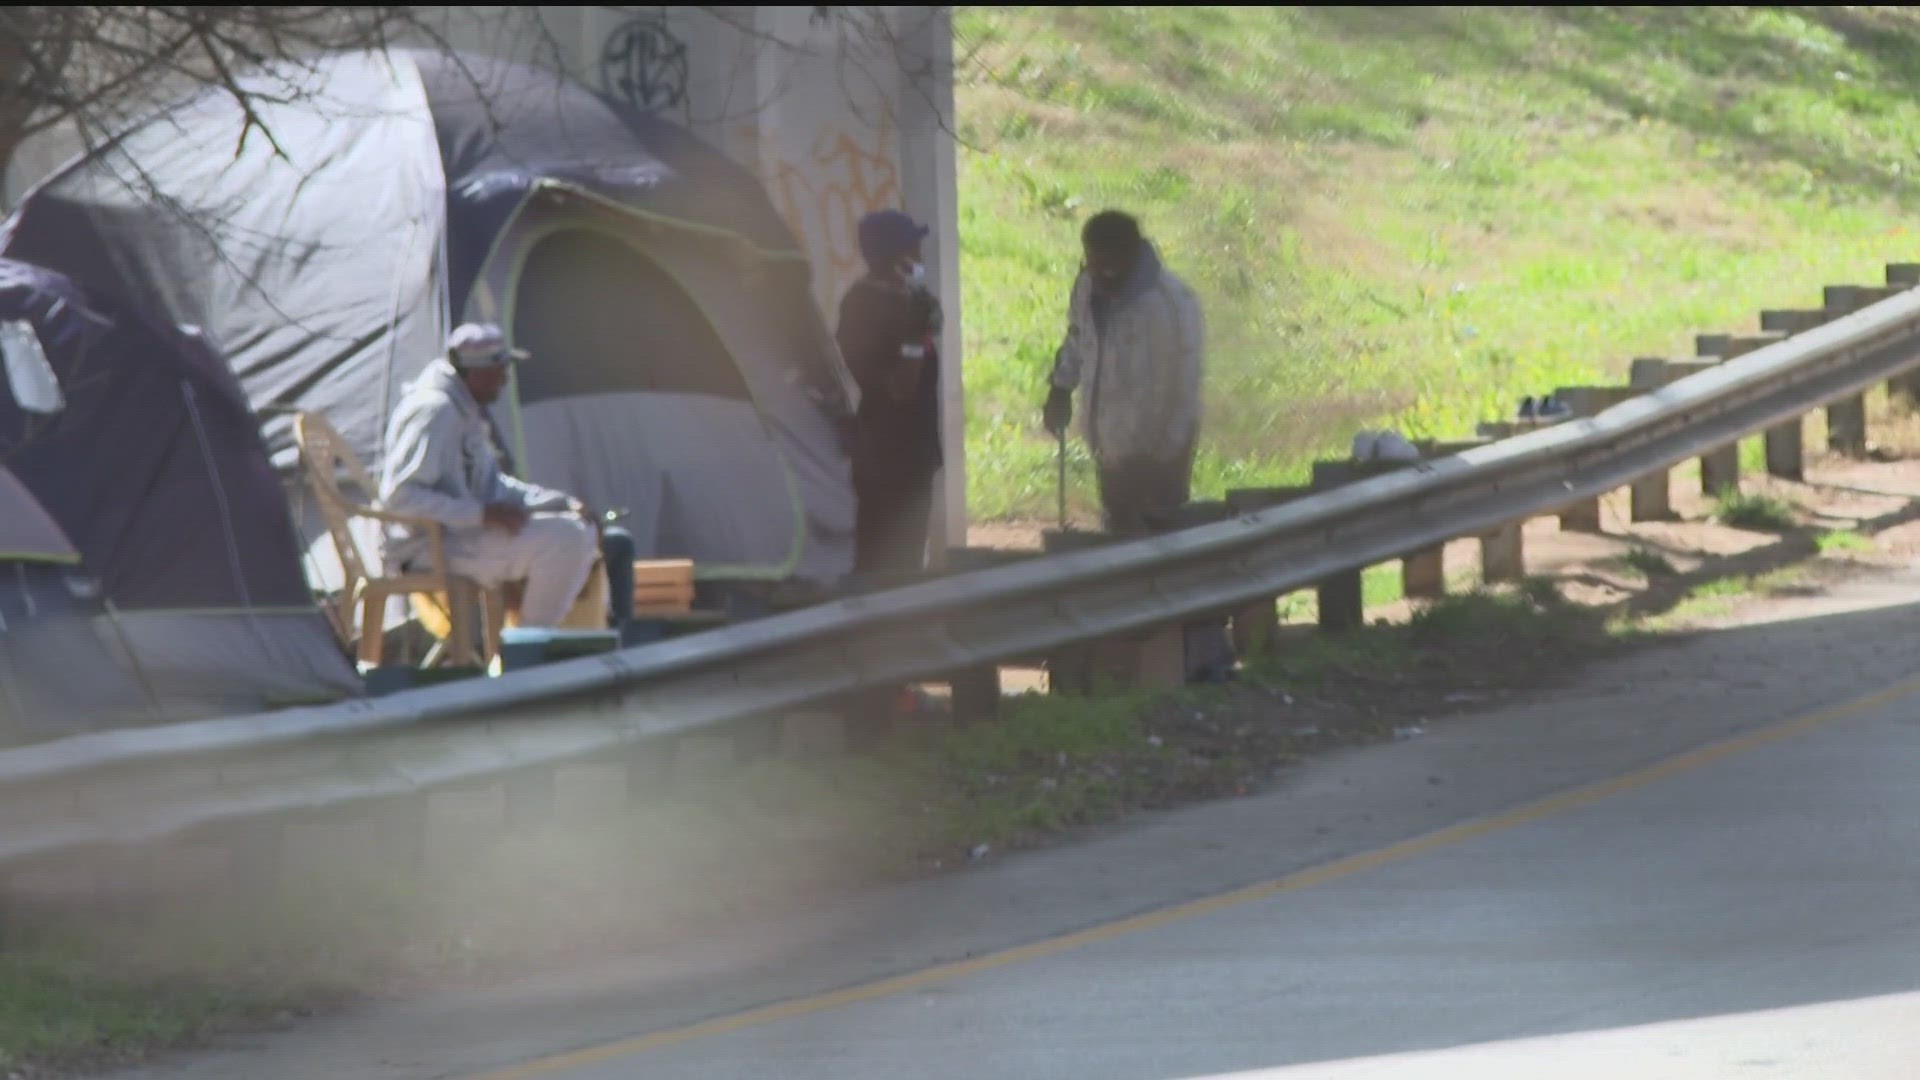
(1760, 909)
(1742, 913)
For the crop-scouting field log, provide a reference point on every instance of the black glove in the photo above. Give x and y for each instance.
(1059, 410)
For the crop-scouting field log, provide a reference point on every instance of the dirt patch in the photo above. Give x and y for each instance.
(1008, 535)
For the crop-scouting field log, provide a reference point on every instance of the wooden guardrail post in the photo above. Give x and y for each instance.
(1343, 601)
(1256, 623)
(1503, 554)
(1583, 402)
(1156, 657)
(976, 690)
(1903, 390)
(1423, 574)
(1653, 497)
(1786, 447)
(1847, 418)
(975, 694)
(1792, 321)
(1343, 604)
(1650, 496)
(1720, 467)
(1785, 442)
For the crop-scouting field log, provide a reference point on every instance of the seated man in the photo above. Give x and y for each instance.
(440, 464)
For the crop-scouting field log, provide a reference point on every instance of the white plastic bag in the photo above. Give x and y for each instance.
(1384, 446)
(29, 375)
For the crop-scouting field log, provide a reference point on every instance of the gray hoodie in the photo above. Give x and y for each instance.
(440, 464)
(1137, 359)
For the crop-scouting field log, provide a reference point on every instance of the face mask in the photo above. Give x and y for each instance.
(916, 273)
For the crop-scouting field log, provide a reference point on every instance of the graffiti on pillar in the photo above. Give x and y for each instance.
(824, 195)
(644, 64)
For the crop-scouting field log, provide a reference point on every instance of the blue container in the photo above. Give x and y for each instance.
(525, 647)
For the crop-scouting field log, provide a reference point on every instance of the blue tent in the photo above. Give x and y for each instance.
(181, 592)
(681, 370)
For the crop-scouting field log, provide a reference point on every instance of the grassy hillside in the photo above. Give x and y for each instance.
(1416, 215)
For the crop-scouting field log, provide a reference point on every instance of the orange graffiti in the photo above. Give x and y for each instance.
(824, 197)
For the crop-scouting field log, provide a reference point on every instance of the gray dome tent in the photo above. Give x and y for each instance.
(681, 370)
(149, 569)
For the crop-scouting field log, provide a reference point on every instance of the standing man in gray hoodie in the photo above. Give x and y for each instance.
(440, 464)
(1135, 338)
(1134, 348)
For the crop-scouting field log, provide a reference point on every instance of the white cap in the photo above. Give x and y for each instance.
(480, 345)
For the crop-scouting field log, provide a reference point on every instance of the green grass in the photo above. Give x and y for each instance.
(1412, 217)
(1372, 654)
(1457, 637)
(1722, 588)
(1031, 773)
(1717, 598)
(1756, 513)
(1841, 541)
(1381, 585)
(53, 1006)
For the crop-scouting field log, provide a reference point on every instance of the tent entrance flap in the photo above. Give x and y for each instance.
(632, 400)
(599, 316)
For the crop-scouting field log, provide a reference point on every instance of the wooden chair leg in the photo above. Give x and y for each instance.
(373, 626)
(462, 597)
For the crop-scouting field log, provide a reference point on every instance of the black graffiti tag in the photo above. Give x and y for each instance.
(644, 64)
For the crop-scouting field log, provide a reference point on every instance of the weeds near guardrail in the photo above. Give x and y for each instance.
(1756, 513)
(1488, 637)
(1648, 563)
(59, 1002)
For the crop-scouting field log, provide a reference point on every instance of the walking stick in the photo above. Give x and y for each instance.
(1061, 486)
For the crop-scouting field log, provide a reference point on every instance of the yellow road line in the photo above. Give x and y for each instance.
(1319, 875)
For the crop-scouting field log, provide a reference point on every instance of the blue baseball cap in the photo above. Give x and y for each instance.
(885, 235)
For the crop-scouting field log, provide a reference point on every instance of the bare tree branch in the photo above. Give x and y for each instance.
(92, 70)
(211, 45)
(99, 73)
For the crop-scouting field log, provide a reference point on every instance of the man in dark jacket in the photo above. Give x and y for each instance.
(888, 332)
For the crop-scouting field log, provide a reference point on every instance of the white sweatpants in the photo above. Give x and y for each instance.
(553, 554)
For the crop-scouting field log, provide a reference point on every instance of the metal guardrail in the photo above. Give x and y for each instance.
(130, 785)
